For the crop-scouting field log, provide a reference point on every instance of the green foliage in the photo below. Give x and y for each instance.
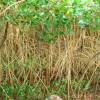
(56, 17)
(59, 87)
(21, 92)
(84, 85)
(28, 91)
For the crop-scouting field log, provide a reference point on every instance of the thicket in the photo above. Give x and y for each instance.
(49, 47)
(51, 18)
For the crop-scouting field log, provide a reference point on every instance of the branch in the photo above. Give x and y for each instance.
(5, 36)
(7, 8)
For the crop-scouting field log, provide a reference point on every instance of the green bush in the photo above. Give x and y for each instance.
(52, 18)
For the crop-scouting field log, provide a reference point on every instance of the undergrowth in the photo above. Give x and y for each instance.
(49, 47)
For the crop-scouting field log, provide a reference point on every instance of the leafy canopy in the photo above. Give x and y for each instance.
(52, 18)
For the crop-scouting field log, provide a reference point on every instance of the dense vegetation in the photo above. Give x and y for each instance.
(49, 47)
(55, 17)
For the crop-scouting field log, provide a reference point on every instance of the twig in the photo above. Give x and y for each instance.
(7, 8)
(5, 35)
